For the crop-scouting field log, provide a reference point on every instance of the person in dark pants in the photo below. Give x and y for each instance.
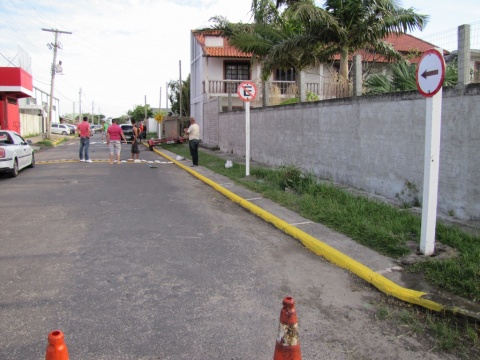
(136, 141)
(193, 132)
(84, 132)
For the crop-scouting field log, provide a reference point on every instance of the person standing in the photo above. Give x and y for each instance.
(114, 136)
(83, 130)
(104, 130)
(140, 128)
(193, 132)
(136, 140)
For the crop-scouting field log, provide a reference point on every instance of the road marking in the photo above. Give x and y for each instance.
(130, 161)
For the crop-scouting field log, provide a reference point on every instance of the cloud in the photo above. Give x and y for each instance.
(119, 50)
(123, 50)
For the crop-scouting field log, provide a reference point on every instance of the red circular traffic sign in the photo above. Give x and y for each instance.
(247, 91)
(430, 72)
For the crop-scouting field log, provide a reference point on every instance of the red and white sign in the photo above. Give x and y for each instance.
(247, 91)
(430, 73)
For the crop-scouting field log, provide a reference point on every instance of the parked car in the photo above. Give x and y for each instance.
(127, 131)
(73, 129)
(96, 128)
(15, 153)
(61, 129)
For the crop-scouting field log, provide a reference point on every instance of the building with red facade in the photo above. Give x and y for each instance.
(15, 83)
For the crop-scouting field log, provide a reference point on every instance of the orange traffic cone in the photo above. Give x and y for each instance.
(56, 349)
(287, 346)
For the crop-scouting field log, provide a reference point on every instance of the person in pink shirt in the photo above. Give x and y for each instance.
(83, 130)
(114, 137)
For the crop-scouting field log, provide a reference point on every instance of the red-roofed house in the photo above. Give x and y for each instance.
(217, 68)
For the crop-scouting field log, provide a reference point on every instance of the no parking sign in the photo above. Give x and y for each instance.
(247, 91)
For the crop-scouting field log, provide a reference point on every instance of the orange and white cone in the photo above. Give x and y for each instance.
(287, 346)
(56, 348)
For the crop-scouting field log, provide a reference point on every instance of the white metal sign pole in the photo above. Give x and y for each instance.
(247, 92)
(429, 76)
(247, 138)
(431, 170)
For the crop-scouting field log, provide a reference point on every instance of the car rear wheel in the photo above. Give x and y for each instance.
(64, 133)
(14, 171)
(32, 164)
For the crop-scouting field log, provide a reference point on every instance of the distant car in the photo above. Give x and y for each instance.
(127, 131)
(61, 129)
(15, 153)
(97, 128)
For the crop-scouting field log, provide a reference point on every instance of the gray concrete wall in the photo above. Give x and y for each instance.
(374, 143)
(210, 114)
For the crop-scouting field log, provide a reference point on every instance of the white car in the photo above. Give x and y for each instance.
(61, 129)
(73, 129)
(15, 153)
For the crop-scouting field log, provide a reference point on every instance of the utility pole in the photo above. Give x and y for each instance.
(55, 47)
(146, 121)
(166, 95)
(80, 106)
(180, 88)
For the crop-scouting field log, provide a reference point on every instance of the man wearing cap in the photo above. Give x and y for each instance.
(114, 136)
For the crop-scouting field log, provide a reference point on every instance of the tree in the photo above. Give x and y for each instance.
(174, 96)
(404, 79)
(344, 26)
(138, 114)
(261, 38)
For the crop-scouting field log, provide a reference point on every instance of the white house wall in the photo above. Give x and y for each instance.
(197, 75)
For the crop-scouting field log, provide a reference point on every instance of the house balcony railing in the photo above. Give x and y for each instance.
(280, 90)
(221, 87)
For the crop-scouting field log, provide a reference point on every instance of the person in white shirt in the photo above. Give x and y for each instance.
(193, 132)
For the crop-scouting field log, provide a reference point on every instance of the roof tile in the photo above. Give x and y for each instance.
(404, 43)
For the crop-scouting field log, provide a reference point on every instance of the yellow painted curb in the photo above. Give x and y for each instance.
(320, 248)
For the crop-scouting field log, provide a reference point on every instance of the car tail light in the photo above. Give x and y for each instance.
(2, 153)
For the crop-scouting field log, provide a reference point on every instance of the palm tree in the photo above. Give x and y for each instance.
(344, 26)
(261, 38)
(404, 79)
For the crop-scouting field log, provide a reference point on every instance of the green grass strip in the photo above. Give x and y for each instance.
(375, 224)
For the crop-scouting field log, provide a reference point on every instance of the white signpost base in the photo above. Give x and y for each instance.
(431, 170)
(247, 138)
(429, 76)
(247, 91)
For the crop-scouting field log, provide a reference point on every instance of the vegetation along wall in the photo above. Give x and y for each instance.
(375, 143)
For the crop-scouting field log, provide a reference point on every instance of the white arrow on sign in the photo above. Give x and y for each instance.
(430, 73)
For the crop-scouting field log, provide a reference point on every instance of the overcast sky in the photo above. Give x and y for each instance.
(123, 50)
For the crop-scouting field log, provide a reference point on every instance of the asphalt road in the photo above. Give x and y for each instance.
(133, 262)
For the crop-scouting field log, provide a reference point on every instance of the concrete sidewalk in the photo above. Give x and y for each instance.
(385, 273)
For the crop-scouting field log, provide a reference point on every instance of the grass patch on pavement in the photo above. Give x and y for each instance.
(440, 333)
(380, 226)
(47, 143)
